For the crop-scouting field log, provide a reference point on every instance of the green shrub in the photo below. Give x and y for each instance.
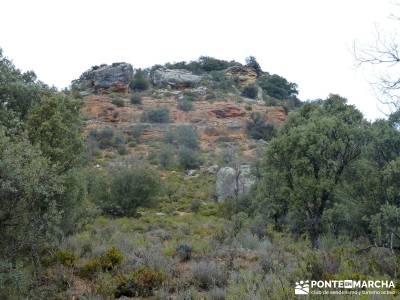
(15, 280)
(224, 139)
(210, 96)
(184, 252)
(248, 284)
(203, 64)
(188, 158)
(190, 95)
(112, 258)
(277, 86)
(207, 275)
(129, 188)
(185, 105)
(118, 102)
(219, 81)
(90, 268)
(251, 62)
(195, 206)
(136, 99)
(141, 283)
(105, 262)
(217, 294)
(66, 258)
(106, 138)
(166, 157)
(248, 107)
(213, 64)
(139, 82)
(122, 150)
(183, 135)
(257, 128)
(156, 115)
(136, 132)
(250, 91)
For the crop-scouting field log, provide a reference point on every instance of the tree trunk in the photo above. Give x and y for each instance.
(314, 231)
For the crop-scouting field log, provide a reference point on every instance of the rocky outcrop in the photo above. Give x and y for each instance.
(275, 115)
(245, 75)
(233, 182)
(175, 78)
(228, 111)
(115, 77)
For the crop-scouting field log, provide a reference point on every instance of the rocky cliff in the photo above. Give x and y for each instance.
(115, 77)
(223, 116)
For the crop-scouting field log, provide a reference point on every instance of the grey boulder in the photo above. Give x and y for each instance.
(174, 77)
(105, 77)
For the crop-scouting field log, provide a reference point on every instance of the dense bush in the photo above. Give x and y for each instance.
(127, 190)
(251, 62)
(257, 128)
(311, 156)
(141, 283)
(208, 274)
(188, 158)
(136, 131)
(219, 81)
(217, 294)
(105, 262)
(66, 258)
(186, 135)
(166, 157)
(122, 150)
(191, 95)
(185, 105)
(41, 194)
(139, 82)
(19, 91)
(195, 206)
(54, 126)
(184, 252)
(157, 115)
(136, 99)
(31, 187)
(183, 135)
(185, 140)
(106, 138)
(277, 86)
(203, 64)
(119, 102)
(250, 91)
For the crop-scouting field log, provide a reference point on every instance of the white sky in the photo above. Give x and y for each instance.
(308, 42)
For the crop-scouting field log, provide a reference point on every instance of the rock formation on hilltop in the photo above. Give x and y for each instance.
(115, 77)
(174, 77)
(245, 75)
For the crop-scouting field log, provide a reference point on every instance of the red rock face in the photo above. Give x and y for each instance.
(213, 120)
(275, 115)
(119, 87)
(228, 111)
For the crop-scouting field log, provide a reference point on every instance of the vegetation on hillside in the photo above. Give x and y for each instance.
(325, 204)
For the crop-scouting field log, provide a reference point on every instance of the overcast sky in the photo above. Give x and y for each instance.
(308, 42)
